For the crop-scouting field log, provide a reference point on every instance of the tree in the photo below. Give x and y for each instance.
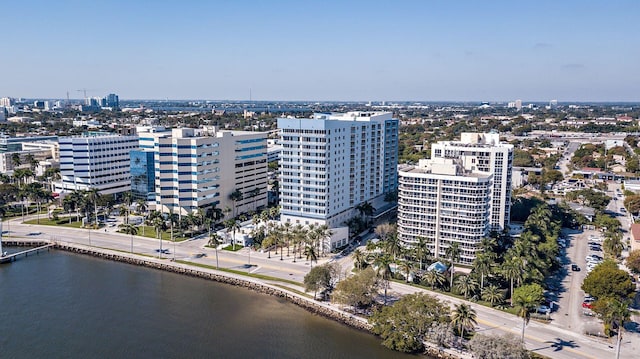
(463, 317)
(466, 285)
(406, 267)
(321, 277)
(358, 258)
(434, 279)
(497, 347)
(403, 325)
(131, 230)
(214, 241)
(607, 281)
(421, 250)
(357, 290)
(492, 294)
(235, 196)
(482, 265)
(613, 245)
(311, 254)
(511, 270)
(382, 263)
(633, 261)
(232, 226)
(453, 253)
(526, 298)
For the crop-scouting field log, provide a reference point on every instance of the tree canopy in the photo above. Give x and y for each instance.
(607, 281)
(404, 325)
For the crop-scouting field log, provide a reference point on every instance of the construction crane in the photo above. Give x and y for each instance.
(84, 91)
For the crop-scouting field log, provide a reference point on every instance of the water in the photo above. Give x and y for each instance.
(61, 305)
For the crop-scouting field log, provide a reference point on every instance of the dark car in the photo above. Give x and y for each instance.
(575, 268)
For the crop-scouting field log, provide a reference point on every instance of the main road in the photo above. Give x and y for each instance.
(549, 340)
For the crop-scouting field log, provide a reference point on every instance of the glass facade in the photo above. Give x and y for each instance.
(142, 175)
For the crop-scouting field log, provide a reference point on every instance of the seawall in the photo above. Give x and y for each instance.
(256, 285)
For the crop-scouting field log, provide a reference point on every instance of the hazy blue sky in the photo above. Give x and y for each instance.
(572, 50)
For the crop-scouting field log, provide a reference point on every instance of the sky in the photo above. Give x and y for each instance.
(402, 50)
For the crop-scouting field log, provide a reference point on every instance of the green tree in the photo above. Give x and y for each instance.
(434, 279)
(321, 277)
(382, 263)
(130, 229)
(526, 298)
(463, 317)
(358, 290)
(235, 196)
(482, 265)
(633, 261)
(607, 281)
(492, 294)
(404, 325)
(453, 253)
(466, 285)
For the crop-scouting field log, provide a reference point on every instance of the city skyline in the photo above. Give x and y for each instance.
(329, 51)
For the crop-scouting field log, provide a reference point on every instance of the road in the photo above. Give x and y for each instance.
(550, 340)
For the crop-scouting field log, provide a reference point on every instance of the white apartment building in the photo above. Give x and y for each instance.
(444, 202)
(484, 152)
(95, 161)
(196, 168)
(331, 163)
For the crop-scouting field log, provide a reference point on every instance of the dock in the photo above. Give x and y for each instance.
(13, 256)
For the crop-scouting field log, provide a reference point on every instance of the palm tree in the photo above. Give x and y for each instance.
(406, 267)
(235, 196)
(383, 270)
(214, 213)
(463, 317)
(434, 278)
(619, 314)
(130, 229)
(482, 265)
(453, 253)
(214, 241)
(358, 258)
(16, 159)
(92, 195)
(366, 210)
(511, 270)
(160, 225)
(141, 205)
(310, 253)
(466, 285)
(299, 235)
(492, 294)
(232, 225)
(421, 250)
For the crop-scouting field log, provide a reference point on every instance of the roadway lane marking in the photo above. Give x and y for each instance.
(536, 339)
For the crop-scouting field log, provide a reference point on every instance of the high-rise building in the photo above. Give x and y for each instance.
(331, 163)
(6, 102)
(518, 105)
(484, 152)
(96, 161)
(197, 168)
(143, 175)
(443, 202)
(112, 101)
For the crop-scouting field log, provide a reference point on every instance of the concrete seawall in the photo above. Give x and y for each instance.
(256, 285)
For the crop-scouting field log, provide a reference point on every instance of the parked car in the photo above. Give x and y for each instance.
(543, 309)
(575, 268)
(588, 305)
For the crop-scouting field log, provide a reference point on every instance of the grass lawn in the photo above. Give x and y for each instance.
(150, 232)
(253, 275)
(62, 222)
(233, 248)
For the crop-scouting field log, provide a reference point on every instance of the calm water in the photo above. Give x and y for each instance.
(60, 305)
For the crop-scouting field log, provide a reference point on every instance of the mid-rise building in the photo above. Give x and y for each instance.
(443, 202)
(331, 163)
(143, 175)
(98, 161)
(484, 152)
(197, 168)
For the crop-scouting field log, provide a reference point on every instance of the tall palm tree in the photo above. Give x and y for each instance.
(310, 253)
(511, 269)
(482, 265)
(130, 229)
(383, 270)
(299, 236)
(358, 258)
(366, 210)
(141, 205)
(463, 317)
(160, 225)
(232, 225)
(235, 196)
(453, 253)
(323, 232)
(466, 285)
(421, 250)
(406, 267)
(214, 213)
(619, 314)
(214, 241)
(92, 196)
(492, 294)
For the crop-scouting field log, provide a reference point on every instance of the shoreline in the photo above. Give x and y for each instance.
(258, 286)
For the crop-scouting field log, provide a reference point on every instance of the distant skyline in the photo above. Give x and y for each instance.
(323, 51)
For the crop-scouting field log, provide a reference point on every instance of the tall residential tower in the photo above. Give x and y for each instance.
(332, 163)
